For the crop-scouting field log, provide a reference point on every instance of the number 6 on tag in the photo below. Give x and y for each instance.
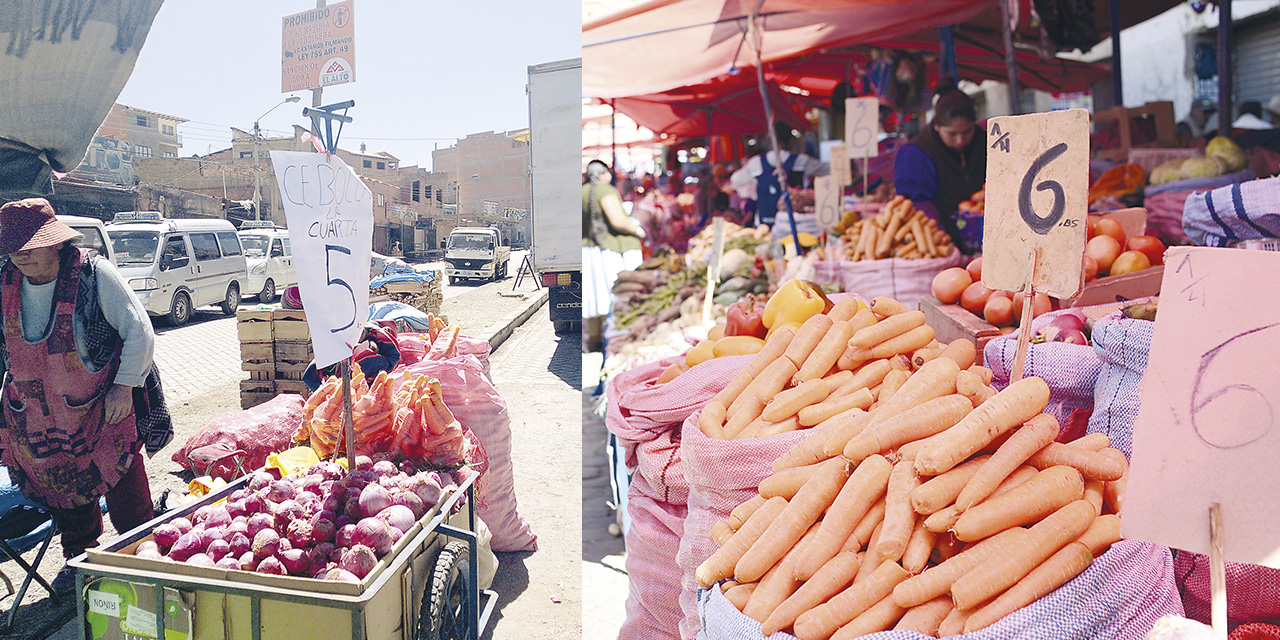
(1037, 199)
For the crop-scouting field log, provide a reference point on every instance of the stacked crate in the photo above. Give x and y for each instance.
(275, 348)
(423, 296)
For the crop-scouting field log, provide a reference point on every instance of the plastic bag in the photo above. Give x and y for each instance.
(486, 559)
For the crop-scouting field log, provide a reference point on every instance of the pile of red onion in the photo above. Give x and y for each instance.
(322, 523)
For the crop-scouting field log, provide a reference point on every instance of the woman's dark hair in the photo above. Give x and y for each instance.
(952, 104)
(595, 169)
(65, 251)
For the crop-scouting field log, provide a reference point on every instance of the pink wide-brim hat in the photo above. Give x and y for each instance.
(31, 224)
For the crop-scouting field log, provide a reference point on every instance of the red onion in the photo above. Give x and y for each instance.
(238, 494)
(407, 467)
(364, 463)
(217, 517)
(332, 503)
(227, 562)
(319, 567)
(239, 543)
(390, 483)
(343, 520)
(145, 546)
(235, 508)
(359, 560)
(398, 516)
(187, 545)
(287, 512)
(209, 535)
(199, 516)
(165, 535)
(309, 483)
(373, 499)
(200, 560)
(335, 556)
(283, 546)
(149, 554)
(259, 479)
(323, 550)
(373, 533)
(338, 574)
(281, 490)
(238, 525)
(323, 531)
(218, 549)
(253, 503)
(352, 508)
(258, 522)
(427, 488)
(322, 515)
(299, 533)
(345, 534)
(265, 543)
(335, 489)
(182, 524)
(1069, 336)
(409, 499)
(385, 468)
(271, 566)
(295, 561)
(248, 561)
(396, 534)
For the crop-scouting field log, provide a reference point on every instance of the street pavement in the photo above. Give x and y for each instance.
(200, 369)
(604, 575)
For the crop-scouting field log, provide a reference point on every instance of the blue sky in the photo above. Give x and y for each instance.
(427, 73)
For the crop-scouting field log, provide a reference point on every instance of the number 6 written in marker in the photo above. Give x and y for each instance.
(328, 248)
(1042, 224)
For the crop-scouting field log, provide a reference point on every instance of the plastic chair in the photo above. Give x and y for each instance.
(24, 525)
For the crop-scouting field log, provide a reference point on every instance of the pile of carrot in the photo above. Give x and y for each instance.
(940, 508)
(898, 231)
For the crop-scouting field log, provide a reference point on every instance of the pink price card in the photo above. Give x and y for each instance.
(1208, 430)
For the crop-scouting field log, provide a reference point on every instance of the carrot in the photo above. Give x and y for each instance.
(844, 426)
(787, 482)
(983, 394)
(720, 532)
(1093, 493)
(902, 363)
(899, 518)
(768, 384)
(860, 492)
(885, 306)
(833, 577)
(711, 421)
(1090, 442)
(721, 563)
(810, 502)
(945, 547)
(1025, 441)
(946, 518)
(903, 344)
(1002, 570)
(773, 349)
(809, 450)
(923, 420)
(844, 309)
(925, 618)
(962, 351)
(937, 581)
(1062, 566)
(887, 329)
(1092, 465)
(1013, 406)
(777, 584)
(790, 402)
(919, 547)
(1104, 532)
(823, 620)
(807, 338)
(982, 372)
(825, 353)
(935, 379)
(941, 491)
(1036, 498)
(670, 373)
(742, 512)
(953, 624)
(834, 405)
(870, 556)
(882, 615)
(892, 383)
(863, 319)
(967, 383)
(739, 595)
(927, 353)
(867, 525)
(1114, 494)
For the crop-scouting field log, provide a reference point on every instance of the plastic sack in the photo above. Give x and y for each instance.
(259, 431)
(1119, 597)
(1253, 591)
(486, 559)
(414, 347)
(1070, 370)
(906, 281)
(477, 406)
(1118, 181)
(722, 474)
(292, 461)
(1236, 212)
(1122, 344)
(647, 418)
(1255, 631)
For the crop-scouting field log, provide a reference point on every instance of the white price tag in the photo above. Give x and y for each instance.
(826, 201)
(107, 604)
(330, 214)
(140, 622)
(862, 126)
(840, 167)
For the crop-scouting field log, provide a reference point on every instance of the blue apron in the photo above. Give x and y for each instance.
(768, 191)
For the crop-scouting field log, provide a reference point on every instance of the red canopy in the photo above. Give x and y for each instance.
(726, 106)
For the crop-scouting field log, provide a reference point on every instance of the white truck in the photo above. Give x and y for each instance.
(476, 252)
(555, 124)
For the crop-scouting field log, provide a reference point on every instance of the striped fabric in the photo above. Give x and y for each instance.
(1227, 215)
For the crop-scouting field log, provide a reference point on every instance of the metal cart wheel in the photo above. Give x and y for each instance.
(444, 612)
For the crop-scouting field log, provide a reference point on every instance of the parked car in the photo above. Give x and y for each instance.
(269, 259)
(95, 234)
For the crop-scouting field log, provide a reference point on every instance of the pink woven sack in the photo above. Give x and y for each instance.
(906, 281)
(653, 609)
(1253, 592)
(722, 474)
(258, 431)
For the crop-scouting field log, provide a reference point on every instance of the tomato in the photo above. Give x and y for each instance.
(950, 283)
(1150, 246)
(1104, 249)
(975, 269)
(975, 297)
(1109, 227)
(1041, 305)
(965, 206)
(1090, 269)
(1090, 228)
(1130, 261)
(998, 310)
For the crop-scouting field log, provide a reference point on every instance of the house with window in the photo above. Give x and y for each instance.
(128, 133)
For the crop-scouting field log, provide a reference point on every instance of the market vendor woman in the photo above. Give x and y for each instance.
(946, 163)
(76, 344)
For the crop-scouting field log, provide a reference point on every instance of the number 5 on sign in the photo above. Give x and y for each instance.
(1037, 200)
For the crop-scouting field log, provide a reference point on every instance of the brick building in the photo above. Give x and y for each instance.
(489, 168)
(126, 134)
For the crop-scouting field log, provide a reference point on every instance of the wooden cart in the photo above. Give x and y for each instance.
(425, 589)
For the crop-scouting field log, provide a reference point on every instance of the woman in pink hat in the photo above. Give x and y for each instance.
(76, 344)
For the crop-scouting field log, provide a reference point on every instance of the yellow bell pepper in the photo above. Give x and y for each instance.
(795, 301)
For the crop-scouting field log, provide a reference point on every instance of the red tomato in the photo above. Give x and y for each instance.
(1130, 261)
(998, 310)
(1104, 249)
(1150, 246)
(975, 269)
(1090, 269)
(1041, 305)
(1107, 226)
(975, 297)
(1090, 228)
(950, 284)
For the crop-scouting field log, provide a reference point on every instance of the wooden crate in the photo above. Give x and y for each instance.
(290, 324)
(952, 322)
(293, 386)
(257, 356)
(1130, 286)
(1161, 114)
(256, 392)
(286, 370)
(254, 325)
(292, 353)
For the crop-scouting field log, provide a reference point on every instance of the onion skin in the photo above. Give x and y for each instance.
(339, 574)
(359, 560)
(166, 534)
(373, 499)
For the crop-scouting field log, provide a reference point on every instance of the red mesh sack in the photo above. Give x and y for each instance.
(1255, 631)
(1253, 592)
(258, 431)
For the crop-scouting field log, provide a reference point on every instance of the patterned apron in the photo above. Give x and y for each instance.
(55, 441)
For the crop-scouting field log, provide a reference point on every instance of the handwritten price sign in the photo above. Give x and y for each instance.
(861, 126)
(840, 167)
(330, 214)
(1209, 426)
(1037, 198)
(827, 201)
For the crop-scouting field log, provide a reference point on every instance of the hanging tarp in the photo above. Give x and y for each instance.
(731, 106)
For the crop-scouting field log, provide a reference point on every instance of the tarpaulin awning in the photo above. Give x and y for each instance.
(731, 106)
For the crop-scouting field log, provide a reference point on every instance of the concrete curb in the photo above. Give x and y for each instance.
(500, 331)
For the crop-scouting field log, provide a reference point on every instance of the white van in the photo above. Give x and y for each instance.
(174, 265)
(95, 234)
(266, 251)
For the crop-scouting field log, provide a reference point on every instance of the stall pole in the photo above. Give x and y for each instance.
(1224, 66)
(758, 43)
(348, 429)
(947, 52)
(1009, 61)
(613, 137)
(1117, 78)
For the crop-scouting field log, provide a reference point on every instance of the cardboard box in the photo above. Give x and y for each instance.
(952, 322)
(1130, 286)
(120, 610)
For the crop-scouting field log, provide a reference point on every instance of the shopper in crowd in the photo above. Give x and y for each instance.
(610, 245)
(946, 163)
(77, 343)
(1196, 124)
(758, 177)
(1251, 118)
(1273, 110)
